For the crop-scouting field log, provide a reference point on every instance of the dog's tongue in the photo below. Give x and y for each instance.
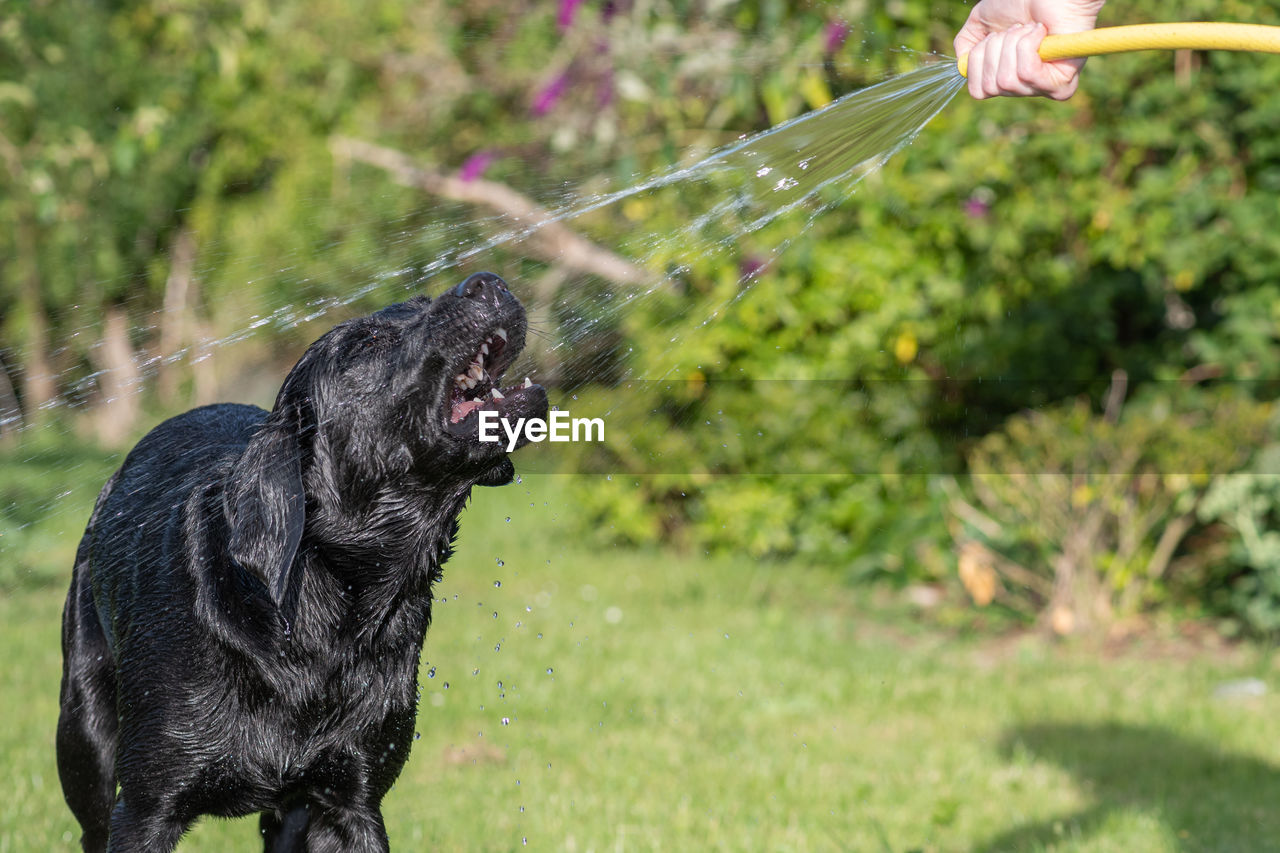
(462, 408)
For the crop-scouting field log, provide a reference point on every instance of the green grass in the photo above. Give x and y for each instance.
(609, 700)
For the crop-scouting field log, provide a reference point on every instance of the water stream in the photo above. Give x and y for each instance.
(803, 167)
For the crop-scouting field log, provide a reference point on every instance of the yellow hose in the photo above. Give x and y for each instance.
(1179, 36)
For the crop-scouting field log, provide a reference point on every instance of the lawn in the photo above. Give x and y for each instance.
(579, 698)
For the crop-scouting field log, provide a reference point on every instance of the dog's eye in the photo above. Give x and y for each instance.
(367, 341)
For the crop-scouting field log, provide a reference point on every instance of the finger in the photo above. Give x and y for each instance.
(990, 68)
(1010, 69)
(1064, 90)
(1057, 80)
(977, 60)
(1066, 73)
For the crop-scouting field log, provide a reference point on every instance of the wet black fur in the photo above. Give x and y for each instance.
(251, 595)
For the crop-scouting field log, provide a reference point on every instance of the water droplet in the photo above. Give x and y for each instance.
(497, 584)
(500, 563)
(431, 673)
(549, 670)
(506, 721)
(508, 519)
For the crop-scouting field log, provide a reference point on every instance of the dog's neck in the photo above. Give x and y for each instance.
(396, 536)
(368, 576)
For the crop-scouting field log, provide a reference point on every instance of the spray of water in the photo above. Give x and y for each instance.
(802, 168)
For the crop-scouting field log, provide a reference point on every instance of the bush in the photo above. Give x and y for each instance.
(1076, 519)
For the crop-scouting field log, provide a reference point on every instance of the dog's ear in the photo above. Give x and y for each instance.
(266, 508)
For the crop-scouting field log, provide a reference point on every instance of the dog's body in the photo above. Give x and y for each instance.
(252, 592)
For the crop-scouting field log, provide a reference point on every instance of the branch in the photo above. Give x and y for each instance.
(1173, 534)
(550, 239)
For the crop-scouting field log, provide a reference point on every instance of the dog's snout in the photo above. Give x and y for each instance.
(482, 285)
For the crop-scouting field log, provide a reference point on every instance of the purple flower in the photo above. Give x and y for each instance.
(976, 208)
(836, 33)
(750, 267)
(546, 99)
(568, 9)
(978, 205)
(476, 165)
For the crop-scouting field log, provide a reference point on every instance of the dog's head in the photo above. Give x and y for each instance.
(398, 394)
(384, 407)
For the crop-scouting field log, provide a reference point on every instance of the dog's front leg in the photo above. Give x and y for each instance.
(137, 829)
(346, 829)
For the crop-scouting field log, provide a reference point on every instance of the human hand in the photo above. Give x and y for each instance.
(1002, 38)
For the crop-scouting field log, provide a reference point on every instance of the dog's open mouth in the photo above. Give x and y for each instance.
(476, 386)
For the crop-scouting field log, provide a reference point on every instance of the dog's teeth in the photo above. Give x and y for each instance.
(476, 372)
(470, 383)
(527, 382)
(484, 349)
(497, 395)
(460, 379)
(502, 333)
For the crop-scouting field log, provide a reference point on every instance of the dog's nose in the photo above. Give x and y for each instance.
(482, 285)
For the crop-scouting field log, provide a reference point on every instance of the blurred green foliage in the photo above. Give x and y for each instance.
(1011, 258)
(1078, 519)
(1245, 584)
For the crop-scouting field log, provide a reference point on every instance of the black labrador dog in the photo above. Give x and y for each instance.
(251, 595)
